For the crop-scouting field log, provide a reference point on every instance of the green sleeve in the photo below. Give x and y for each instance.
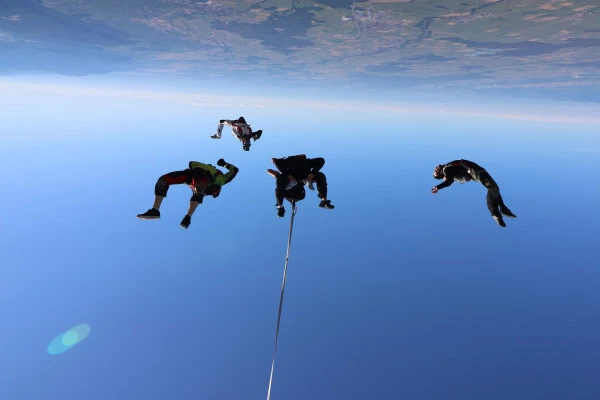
(228, 177)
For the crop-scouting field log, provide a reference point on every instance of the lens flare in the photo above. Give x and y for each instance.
(68, 339)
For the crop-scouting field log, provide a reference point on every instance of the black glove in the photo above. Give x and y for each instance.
(221, 162)
(280, 212)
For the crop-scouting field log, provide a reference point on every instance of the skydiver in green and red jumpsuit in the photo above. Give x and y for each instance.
(203, 179)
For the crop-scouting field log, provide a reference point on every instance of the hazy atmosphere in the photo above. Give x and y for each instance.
(400, 291)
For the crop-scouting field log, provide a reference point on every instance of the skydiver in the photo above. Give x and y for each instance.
(240, 129)
(203, 179)
(295, 172)
(464, 171)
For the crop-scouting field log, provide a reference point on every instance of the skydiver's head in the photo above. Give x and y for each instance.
(438, 172)
(246, 144)
(213, 190)
(242, 120)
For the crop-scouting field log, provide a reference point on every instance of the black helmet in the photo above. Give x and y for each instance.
(242, 120)
(213, 190)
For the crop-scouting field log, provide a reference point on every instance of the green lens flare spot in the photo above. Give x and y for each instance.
(68, 339)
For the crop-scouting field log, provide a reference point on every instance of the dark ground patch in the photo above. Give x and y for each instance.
(283, 31)
(526, 48)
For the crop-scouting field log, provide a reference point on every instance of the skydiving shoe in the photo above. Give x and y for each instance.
(152, 213)
(215, 136)
(273, 173)
(257, 134)
(508, 213)
(186, 221)
(326, 204)
(499, 221)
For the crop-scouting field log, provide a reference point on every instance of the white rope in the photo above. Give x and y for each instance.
(287, 259)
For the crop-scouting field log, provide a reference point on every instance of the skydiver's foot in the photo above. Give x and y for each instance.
(499, 221)
(326, 204)
(273, 173)
(280, 212)
(508, 213)
(215, 136)
(186, 221)
(152, 213)
(257, 135)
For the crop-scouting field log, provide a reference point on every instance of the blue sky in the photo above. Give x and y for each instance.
(397, 293)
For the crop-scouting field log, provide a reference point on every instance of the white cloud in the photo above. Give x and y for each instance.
(12, 18)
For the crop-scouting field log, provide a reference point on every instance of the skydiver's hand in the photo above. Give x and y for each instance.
(221, 162)
(434, 189)
(280, 212)
(221, 121)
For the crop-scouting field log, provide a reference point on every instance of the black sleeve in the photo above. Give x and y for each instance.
(447, 182)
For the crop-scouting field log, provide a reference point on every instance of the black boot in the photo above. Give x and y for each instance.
(326, 204)
(186, 221)
(152, 213)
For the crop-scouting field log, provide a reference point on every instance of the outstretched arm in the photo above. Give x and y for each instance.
(448, 180)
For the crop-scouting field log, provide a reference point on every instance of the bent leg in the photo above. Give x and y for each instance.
(282, 182)
(192, 207)
(160, 192)
(219, 130)
(482, 176)
(503, 209)
(487, 181)
(321, 181)
(172, 178)
(494, 206)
